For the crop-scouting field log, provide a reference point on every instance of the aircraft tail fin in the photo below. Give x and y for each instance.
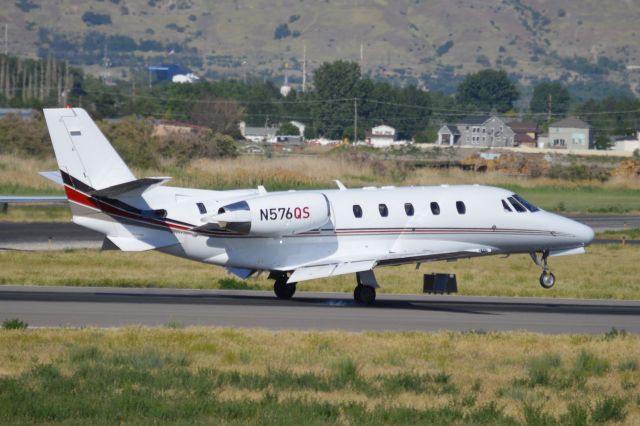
(85, 157)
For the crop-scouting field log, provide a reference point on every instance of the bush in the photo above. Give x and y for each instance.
(92, 19)
(133, 139)
(184, 147)
(14, 324)
(282, 31)
(444, 48)
(24, 137)
(609, 409)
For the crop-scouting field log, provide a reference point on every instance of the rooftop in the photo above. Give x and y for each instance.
(571, 122)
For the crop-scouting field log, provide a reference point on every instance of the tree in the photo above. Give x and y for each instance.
(488, 90)
(336, 87)
(282, 31)
(550, 96)
(288, 129)
(220, 115)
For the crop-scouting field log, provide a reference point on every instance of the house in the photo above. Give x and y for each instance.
(449, 135)
(477, 130)
(570, 133)
(381, 136)
(258, 134)
(627, 144)
(525, 133)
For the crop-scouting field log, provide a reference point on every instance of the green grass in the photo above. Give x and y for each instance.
(187, 375)
(582, 199)
(20, 189)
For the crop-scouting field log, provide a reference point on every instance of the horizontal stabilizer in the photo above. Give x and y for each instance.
(133, 188)
(53, 176)
(331, 270)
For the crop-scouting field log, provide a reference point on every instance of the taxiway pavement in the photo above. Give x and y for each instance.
(118, 307)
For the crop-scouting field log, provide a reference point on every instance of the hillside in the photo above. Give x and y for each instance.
(427, 42)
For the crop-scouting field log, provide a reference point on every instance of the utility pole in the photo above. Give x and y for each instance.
(6, 39)
(549, 98)
(355, 120)
(304, 68)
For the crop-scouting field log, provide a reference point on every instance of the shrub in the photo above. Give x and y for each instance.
(282, 31)
(24, 137)
(14, 324)
(609, 409)
(92, 19)
(589, 364)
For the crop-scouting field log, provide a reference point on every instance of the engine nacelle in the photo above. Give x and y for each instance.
(274, 215)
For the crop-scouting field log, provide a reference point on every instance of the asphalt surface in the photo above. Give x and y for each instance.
(116, 307)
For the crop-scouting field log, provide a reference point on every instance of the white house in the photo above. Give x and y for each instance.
(627, 145)
(381, 136)
(258, 134)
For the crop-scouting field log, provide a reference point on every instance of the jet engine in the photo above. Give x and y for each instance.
(273, 215)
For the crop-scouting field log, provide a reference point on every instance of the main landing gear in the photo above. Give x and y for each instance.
(281, 288)
(365, 291)
(547, 279)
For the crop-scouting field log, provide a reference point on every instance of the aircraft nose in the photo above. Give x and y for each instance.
(583, 233)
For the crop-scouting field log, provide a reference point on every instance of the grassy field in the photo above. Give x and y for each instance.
(203, 376)
(605, 272)
(20, 177)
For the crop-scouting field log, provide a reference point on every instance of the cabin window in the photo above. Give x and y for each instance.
(506, 206)
(516, 205)
(525, 203)
(384, 211)
(462, 209)
(408, 209)
(357, 211)
(435, 208)
(202, 208)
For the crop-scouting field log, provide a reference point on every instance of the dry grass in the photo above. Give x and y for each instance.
(374, 371)
(577, 276)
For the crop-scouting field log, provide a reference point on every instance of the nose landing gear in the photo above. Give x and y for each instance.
(547, 279)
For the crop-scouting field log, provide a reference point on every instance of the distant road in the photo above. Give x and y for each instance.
(117, 307)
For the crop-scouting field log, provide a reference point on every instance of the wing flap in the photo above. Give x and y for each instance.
(330, 270)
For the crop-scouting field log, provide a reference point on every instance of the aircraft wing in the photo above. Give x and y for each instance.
(311, 272)
(19, 199)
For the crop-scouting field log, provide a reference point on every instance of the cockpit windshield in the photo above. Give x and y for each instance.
(526, 203)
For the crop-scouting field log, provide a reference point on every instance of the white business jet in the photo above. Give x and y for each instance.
(299, 235)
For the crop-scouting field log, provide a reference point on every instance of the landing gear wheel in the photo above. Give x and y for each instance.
(547, 279)
(284, 290)
(364, 295)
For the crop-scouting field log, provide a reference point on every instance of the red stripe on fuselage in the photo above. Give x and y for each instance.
(88, 201)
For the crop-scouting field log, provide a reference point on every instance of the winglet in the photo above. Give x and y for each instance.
(341, 186)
